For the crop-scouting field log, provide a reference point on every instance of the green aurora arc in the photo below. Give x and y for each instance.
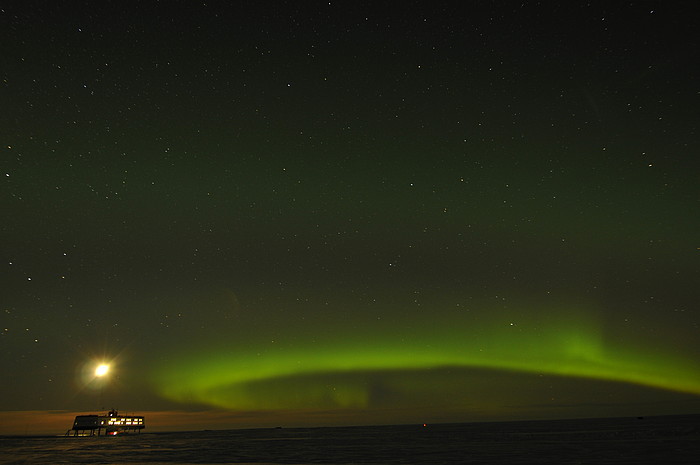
(332, 373)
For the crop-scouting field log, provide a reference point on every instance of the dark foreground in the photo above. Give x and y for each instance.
(654, 440)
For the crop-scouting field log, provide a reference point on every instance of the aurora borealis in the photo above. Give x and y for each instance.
(346, 212)
(236, 378)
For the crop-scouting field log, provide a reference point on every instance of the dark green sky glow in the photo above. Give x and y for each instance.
(384, 213)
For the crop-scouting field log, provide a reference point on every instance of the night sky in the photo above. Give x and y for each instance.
(309, 213)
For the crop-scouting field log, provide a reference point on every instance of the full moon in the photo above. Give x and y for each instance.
(101, 370)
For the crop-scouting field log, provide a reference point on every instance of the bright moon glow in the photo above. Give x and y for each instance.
(101, 370)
